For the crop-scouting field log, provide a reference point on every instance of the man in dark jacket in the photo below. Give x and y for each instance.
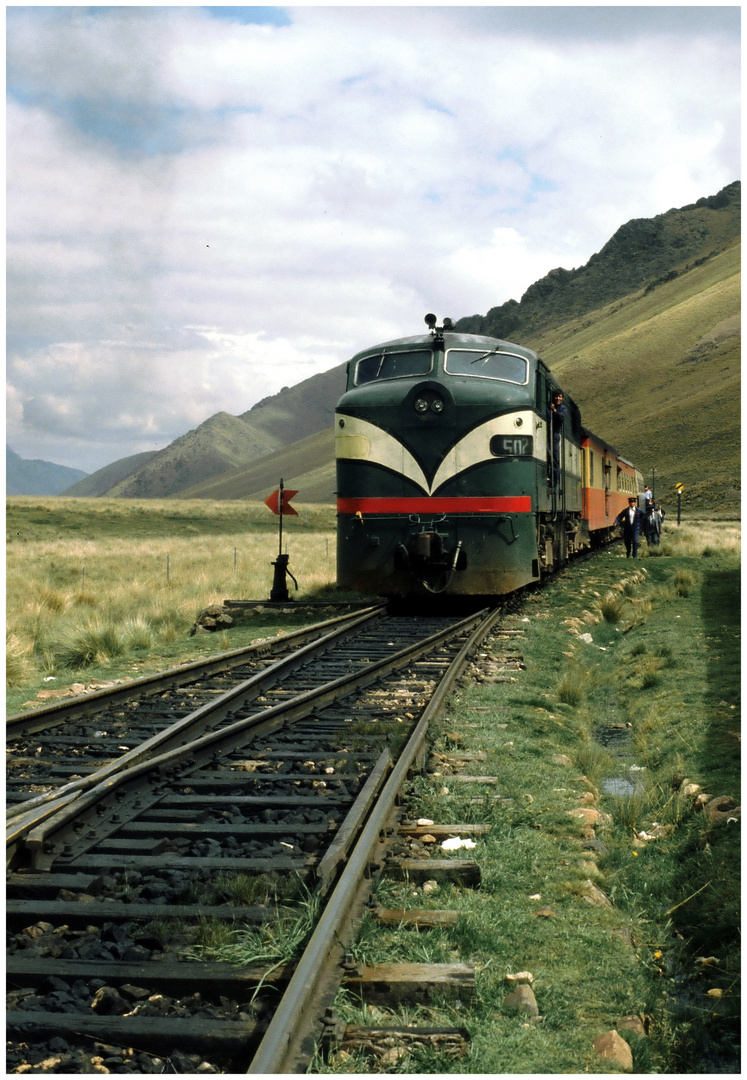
(631, 521)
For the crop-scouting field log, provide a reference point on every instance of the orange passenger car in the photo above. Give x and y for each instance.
(607, 482)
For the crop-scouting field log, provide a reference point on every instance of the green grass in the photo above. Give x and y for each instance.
(641, 350)
(100, 589)
(669, 685)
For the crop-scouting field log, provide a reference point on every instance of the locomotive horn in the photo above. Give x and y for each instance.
(430, 321)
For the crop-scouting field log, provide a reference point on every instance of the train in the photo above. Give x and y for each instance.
(456, 477)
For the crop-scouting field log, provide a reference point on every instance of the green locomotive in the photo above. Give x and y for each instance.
(454, 474)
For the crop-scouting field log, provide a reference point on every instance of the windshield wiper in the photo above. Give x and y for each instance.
(485, 356)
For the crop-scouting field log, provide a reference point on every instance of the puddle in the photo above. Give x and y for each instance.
(617, 785)
(613, 737)
(616, 739)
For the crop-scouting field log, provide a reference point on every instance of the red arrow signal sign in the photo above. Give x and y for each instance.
(277, 506)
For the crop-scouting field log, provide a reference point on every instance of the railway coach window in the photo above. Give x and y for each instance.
(487, 365)
(393, 365)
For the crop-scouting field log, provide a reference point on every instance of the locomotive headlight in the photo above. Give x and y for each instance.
(437, 405)
(421, 405)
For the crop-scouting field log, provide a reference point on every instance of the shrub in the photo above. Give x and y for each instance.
(649, 673)
(573, 686)
(594, 760)
(611, 607)
(54, 599)
(683, 582)
(18, 660)
(84, 642)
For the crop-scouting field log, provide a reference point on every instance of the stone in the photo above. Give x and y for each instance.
(590, 816)
(592, 844)
(590, 868)
(523, 999)
(392, 1057)
(593, 895)
(109, 1002)
(562, 759)
(614, 1048)
(545, 913)
(721, 809)
(636, 1024)
(520, 977)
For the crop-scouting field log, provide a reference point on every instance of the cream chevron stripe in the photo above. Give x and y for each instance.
(364, 441)
(361, 440)
(474, 448)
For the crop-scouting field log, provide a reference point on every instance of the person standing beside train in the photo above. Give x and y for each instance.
(631, 520)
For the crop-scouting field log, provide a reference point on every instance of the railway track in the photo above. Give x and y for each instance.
(45, 746)
(258, 814)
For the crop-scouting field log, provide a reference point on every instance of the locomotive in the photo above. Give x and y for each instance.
(456, 477)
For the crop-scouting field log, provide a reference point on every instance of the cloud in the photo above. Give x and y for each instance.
(205, 205)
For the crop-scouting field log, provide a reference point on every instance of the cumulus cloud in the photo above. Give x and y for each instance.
(203, 207)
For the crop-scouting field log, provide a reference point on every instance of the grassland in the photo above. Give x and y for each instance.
(658, 373)
(100, 589)
(639, 934)
(661, 670)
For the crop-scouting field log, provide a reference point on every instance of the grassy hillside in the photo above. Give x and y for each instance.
(301, 410)
(642, 253)
(103, 479)
(221, 443)
(224, 444)
(307, 465)
(658, 373)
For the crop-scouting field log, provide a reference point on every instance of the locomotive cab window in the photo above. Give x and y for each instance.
(393, 365)
(487, 365)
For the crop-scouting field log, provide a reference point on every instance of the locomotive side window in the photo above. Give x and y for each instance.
(393, 365)
(488, 365)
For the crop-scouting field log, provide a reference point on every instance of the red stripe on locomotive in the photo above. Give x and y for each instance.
(473, 504)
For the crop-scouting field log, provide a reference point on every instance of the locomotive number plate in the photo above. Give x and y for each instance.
(512, 446)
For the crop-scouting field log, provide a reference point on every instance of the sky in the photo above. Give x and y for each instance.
(207, 204)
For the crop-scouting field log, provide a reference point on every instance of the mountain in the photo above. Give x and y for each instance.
(656, 372)
(642, 254)
(101, 481)
(307, 465)
(224, 443)
(300, 410)
(25, 476)
(645, 337)
(221, 442)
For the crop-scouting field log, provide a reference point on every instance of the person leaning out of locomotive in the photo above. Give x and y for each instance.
(631, 521)
(556, 414)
